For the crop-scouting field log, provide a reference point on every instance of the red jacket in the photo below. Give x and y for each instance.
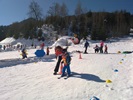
(58, 52)
(101, 44)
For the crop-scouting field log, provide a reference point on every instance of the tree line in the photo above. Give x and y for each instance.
(97, 25)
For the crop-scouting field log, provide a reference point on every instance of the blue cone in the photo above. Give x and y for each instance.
(39, 53)
(115, 70)
(94, 98)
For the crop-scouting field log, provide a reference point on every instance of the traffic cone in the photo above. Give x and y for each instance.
(61, 67)
(80, 56)
(120, 62)
(108, 81)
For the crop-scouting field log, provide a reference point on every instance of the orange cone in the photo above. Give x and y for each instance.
(80, 56)
(61, 67)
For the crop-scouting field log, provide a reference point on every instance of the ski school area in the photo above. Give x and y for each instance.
(94, 76)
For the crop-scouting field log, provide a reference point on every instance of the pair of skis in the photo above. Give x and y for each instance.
(65, 77)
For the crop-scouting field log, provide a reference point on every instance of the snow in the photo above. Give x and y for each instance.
(33, 79)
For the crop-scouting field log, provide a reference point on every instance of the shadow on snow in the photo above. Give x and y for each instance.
(88, 77)
(18, 61)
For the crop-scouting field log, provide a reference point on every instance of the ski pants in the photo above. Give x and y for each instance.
(68, 70)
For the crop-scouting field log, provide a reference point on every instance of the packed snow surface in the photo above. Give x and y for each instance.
(33, 79)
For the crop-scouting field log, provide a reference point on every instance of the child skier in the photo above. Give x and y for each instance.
(106, 49)
(66, 59)
(47, 50)
(24, 55)
(96, 48)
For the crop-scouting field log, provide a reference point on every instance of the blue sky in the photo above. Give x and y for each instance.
(16, 10)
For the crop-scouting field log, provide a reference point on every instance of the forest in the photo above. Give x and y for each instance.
(98, 25)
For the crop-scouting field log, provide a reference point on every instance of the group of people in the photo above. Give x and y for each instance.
(97, 48)
(24, 53)
(63, 57)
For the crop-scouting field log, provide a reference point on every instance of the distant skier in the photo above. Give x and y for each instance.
(42, 45)
(47, 50)
(96, 48)
(4, 47)
(24, 55)
(106, 49)
(86, 46)
(101, 46)
(35, 46)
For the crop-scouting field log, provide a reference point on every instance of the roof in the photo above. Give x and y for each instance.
(7, 40)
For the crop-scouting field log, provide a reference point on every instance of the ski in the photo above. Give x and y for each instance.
(66, 78)
(60, 77)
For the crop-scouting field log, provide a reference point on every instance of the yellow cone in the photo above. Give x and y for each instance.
(119, 52)
(108, 81)
(120, 62)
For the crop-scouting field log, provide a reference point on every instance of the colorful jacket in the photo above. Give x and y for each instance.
(66, 59)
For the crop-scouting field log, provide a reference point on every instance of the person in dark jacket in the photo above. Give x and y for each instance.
(86, 46)
(96, 48)
(47, 50)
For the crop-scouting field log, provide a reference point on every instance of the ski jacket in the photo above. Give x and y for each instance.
(101, 44)
(86, 44)
(66, 59)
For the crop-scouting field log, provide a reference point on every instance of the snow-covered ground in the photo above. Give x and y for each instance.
(33, 79)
